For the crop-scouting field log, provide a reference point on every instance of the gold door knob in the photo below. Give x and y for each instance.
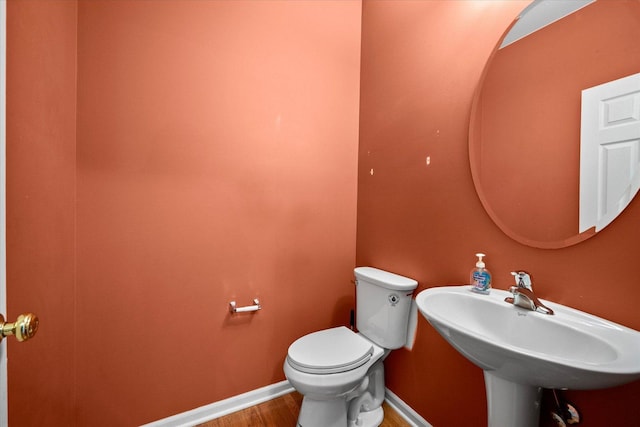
(24, 328)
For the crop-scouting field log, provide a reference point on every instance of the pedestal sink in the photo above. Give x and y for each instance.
(523, 351)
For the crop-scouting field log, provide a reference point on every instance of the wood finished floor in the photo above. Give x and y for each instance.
(283, 412)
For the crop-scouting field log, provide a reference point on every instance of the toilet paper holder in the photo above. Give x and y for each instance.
(233, 308)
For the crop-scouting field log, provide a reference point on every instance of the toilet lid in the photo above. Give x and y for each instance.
(329, 351)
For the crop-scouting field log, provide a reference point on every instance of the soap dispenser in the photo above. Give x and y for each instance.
(480, 277)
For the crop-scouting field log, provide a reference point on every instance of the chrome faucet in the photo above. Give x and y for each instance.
(523, 295)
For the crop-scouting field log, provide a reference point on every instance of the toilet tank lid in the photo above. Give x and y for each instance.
(385, 279)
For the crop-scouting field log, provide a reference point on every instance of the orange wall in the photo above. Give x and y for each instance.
(217, 149)
(216, 161)
(41, 127)
(421, 62)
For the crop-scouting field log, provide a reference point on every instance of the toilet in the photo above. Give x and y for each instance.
(340, 372)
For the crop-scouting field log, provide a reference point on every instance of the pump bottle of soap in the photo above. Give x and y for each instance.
(480, 277)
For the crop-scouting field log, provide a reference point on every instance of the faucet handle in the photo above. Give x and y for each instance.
(523, 279)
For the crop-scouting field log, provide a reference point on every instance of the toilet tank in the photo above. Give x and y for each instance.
(383, 304)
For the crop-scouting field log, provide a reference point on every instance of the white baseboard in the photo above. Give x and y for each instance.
(405, 411)
(224, 407)
(251, 398)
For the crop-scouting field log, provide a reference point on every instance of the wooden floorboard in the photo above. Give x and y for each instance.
(283, 412)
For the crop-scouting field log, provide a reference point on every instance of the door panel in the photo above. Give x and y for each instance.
(3, 258)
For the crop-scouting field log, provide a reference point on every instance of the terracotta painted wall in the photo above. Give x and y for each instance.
(421, 62)
(217, 150)
(41, 127)
(216, 161)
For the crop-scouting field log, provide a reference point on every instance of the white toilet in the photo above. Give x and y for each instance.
(340, 372)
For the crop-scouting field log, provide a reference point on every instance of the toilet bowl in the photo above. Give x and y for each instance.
(340, 372)
(327, 367)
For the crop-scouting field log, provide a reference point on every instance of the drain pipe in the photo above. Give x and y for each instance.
(367, 401)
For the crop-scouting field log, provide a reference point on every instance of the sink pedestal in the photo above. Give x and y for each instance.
(510, 403)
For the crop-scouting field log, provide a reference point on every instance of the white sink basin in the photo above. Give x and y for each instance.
(570, 349)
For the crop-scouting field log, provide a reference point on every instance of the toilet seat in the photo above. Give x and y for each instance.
(329, 351)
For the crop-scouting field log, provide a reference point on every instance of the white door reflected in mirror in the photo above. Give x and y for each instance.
(609, 150)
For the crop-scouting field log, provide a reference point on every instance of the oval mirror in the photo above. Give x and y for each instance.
(524, 134)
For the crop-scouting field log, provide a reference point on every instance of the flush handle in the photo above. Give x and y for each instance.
(24, 328)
